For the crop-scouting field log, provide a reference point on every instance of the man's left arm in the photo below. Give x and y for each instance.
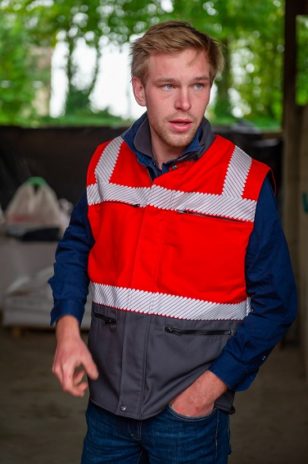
(271, 287)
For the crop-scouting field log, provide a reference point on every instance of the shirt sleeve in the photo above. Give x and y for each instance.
(70, 281)
(271, 288)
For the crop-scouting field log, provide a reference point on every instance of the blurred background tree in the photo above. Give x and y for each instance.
(252, 40)
(251, 36)
(302, 61)
(20, 77)
(44, 23)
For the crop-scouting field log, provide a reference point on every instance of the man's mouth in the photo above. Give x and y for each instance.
(180, 124)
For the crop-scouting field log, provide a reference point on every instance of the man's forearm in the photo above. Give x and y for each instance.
(70, 281)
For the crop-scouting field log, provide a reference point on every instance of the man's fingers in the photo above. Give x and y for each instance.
(71, 376)
(67, 381)
(90, 368)
(71, 362)
(57, 371)
(78, 376)
(80, 384)
(72, 383)
(65, 373)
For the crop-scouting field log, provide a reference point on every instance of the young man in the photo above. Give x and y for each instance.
(189, 271)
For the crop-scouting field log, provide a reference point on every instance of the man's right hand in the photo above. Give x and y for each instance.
(72, 360)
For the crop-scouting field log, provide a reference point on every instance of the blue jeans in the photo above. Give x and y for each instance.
(167, 438)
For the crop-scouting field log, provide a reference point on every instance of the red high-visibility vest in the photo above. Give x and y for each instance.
(174, 246)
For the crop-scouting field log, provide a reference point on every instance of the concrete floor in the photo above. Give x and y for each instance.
(41, 425)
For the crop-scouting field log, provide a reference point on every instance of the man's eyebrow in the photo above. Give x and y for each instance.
(202, 78)
(164, 80)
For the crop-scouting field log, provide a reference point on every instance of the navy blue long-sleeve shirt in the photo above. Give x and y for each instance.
(269, 278)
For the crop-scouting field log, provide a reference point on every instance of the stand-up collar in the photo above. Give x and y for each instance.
(138, 137)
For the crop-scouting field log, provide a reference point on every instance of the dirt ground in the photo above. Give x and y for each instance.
(41, 425)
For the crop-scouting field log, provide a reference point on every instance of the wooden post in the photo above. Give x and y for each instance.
(295, 182)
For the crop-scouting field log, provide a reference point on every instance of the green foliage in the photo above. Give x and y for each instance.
(252, 39)
(17, 80)
(45, 22)
(260, 86)
(251, 35)
(302, 61)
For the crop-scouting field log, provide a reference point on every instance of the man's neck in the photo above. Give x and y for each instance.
(163, 154)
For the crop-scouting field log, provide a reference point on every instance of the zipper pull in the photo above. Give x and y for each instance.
(169, 329)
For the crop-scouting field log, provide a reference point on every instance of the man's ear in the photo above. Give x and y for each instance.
(138, 89)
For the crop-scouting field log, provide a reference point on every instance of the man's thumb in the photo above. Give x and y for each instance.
(91, 369)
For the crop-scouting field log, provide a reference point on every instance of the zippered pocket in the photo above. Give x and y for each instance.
(206, 215)
(177, 331)
(106, 319)
(126, 203)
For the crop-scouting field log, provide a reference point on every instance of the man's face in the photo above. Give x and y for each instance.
(176, 93)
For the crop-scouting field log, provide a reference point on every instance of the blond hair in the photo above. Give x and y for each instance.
(173, 37)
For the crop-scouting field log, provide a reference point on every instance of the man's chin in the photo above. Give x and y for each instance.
(180, 140)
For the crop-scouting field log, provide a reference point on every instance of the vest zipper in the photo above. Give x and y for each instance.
(106, 319)
(176, 331)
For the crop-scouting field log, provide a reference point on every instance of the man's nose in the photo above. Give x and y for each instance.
(182, 101)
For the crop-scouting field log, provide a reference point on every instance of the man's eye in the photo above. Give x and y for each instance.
(167, 86)
(199, 86)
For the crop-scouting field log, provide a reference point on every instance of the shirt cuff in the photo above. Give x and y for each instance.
(67, 308)
(232, 372)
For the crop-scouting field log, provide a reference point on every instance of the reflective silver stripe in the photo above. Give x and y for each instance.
(237, 173)
(163, 304)
(229, 204)
(215, 205)
(125, 194)
(202, 203)
(108, 160)
(93, 195)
